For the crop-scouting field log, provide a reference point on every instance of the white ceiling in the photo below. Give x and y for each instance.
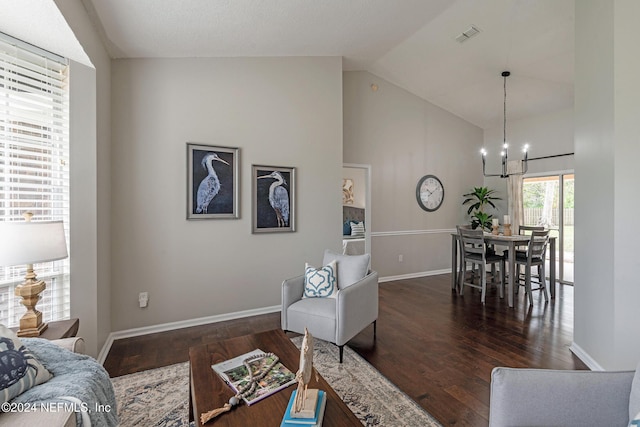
(407, 42)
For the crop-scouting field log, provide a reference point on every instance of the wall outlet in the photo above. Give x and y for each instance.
(400, 258)
(143, 299)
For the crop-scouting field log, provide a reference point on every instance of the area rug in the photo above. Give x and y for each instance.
(159, 397)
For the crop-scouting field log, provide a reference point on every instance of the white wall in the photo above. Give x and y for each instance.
(71, 33)
(606, 147)
(403, 138)
(279, 111)
(90, 181)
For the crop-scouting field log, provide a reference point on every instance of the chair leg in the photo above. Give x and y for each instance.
(483, 281)
(461, 278)
(341, 347)
(375, 324)
(527, 281)
(502, 275)
(543, 282)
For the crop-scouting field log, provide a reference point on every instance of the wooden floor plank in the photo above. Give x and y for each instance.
(437, 346)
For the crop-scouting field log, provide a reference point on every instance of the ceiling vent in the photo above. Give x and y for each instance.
(467, 34)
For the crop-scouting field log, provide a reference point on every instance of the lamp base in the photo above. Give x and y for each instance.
(31, 324)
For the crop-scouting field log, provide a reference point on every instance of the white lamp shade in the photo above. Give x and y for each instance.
(31, 242)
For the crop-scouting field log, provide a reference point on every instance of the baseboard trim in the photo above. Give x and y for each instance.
(585, 357)
(134, 332)
(414, 275)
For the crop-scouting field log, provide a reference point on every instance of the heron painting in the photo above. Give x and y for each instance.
(210, 186)
(273, 199)
(212, 174)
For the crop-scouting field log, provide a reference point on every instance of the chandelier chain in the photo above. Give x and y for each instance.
(504, 122)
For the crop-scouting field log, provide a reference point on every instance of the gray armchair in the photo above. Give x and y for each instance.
(338, 319)
(545, 397)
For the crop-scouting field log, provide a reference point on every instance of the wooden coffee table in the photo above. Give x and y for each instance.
(207, 391)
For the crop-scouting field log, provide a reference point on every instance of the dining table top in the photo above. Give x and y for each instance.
(507, 239)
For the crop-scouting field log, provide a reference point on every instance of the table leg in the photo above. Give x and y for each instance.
(191, 410)
(454, 262)
(512, 272)
(552, 268)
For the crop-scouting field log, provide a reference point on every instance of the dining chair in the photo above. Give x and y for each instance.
(524, 230)
(473, 250)
(534, 256)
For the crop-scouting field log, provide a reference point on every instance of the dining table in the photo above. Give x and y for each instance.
(511, 242)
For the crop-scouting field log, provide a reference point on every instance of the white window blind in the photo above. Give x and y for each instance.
(34, 164)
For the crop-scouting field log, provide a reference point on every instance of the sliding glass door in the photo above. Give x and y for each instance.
(548, 201)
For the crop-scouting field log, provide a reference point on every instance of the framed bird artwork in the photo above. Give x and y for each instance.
(273, 199)
(212, 181)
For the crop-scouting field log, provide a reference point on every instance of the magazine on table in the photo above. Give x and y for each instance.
(235, 374)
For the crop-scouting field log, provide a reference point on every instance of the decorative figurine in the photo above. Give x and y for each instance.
(306, 400)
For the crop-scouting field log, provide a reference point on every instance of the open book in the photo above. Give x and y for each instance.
(234, 373)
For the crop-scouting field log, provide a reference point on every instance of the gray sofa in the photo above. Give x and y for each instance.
(543, 397)
(74, 376)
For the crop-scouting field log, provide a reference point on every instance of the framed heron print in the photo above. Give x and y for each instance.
(273, 199)
(212, 181)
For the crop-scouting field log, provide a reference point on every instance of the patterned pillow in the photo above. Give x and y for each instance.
(320, 283)
(19, 369)
(357, 228)
(635, 422)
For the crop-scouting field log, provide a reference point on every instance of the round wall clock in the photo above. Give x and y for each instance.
(429, 193)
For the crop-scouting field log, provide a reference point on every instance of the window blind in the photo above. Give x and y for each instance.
(34, 165)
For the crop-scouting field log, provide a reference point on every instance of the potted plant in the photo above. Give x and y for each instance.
(479, 198)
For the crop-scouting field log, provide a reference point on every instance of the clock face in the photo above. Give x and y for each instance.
(429, 193)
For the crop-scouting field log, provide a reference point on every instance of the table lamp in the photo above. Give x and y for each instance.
(29, 243)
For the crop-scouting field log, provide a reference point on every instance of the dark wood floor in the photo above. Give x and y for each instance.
(436, 346)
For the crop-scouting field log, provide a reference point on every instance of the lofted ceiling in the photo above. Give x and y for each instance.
(410, 43)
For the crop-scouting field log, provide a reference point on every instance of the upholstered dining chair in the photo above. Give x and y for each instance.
(344, 313)
(473, 250)
(534, 256)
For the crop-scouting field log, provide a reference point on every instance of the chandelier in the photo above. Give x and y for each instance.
(505, 147)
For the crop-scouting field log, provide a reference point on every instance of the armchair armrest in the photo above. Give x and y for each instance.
(74, 344)
(357, 307)
(292, 290)
(544, 397)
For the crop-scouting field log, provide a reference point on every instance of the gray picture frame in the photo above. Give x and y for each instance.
(212, 182)
(271, 187)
